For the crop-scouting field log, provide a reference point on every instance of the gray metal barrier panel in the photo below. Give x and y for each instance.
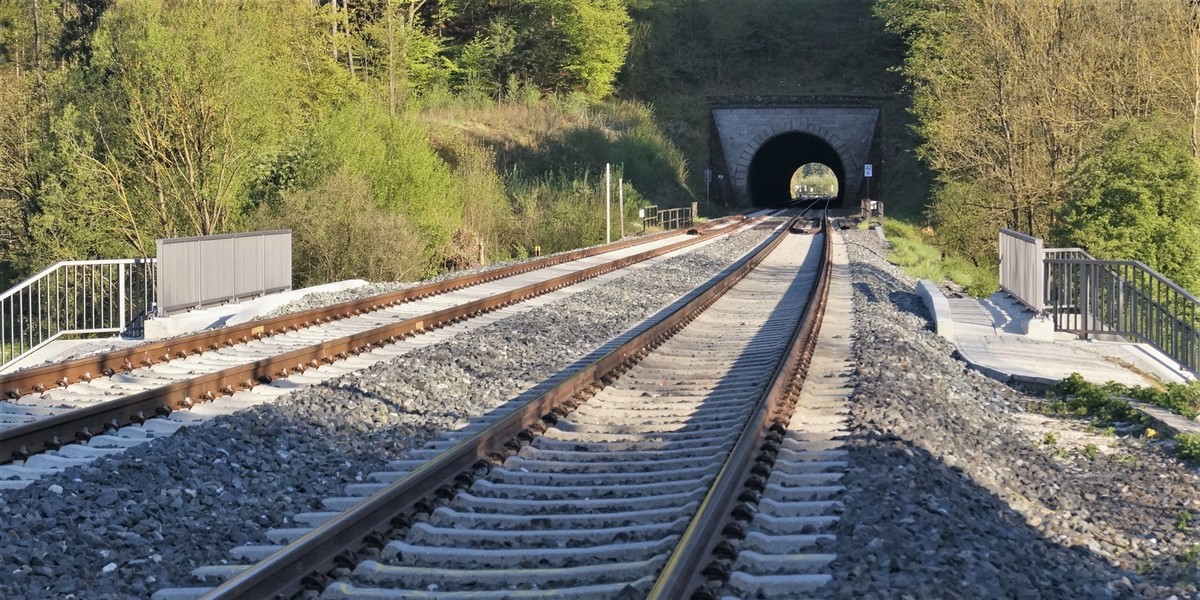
(1124, 298)
(668, 218)
(1021, 258)
(196, 272)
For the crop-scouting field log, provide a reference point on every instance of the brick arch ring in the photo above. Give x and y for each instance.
(741, 169)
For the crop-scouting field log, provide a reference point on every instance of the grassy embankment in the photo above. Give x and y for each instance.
(914, 249)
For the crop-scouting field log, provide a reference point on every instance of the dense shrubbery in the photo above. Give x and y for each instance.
(121, 122)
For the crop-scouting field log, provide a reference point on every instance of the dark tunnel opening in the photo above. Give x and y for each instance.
(771, 169)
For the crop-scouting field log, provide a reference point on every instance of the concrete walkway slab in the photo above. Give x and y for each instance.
(997, 337)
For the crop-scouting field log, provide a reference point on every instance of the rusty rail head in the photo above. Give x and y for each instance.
(685, 572)
(314, 554)
(47, 434)
(39, 379)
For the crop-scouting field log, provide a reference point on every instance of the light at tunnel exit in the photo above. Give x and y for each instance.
(814, 180)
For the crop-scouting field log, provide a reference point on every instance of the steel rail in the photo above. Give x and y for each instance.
(39, 379)
(52, 432)
(313, 555)
(686, 572)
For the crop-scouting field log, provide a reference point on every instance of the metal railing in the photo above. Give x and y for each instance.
(77, 297)
(1087, 296)
(870, 209)
(668, 218)
(1021, 268)
(197, 272)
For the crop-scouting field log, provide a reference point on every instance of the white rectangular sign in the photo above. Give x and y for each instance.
(868, 170)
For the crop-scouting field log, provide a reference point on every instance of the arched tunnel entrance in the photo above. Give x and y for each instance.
(771, 169)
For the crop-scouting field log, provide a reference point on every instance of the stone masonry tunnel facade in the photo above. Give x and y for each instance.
(757, 144)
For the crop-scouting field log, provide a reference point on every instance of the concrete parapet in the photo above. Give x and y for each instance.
(1038, 328)
(938, 306)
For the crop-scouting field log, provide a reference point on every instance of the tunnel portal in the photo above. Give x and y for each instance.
(772, 167)
(757, 142)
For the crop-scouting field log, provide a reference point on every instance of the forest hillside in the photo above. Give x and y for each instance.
(459, 132)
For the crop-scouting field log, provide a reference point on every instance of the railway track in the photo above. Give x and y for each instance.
(783, 551)
(68, 414)
(621, 480)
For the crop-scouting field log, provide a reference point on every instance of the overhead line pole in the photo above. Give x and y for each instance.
(621, 204)
(608, 202)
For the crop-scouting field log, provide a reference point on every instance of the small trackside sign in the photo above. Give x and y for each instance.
(868, 170)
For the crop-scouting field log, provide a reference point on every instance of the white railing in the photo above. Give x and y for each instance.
(76, 297)
(1021, 268)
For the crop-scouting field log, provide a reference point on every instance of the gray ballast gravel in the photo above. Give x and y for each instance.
(125, 526)
(956, 491)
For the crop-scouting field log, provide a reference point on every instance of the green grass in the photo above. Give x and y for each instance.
(915, 252)
(1179, 398)
(1183, 521)
(1188, 445)
(1075, 396)
(10, 350)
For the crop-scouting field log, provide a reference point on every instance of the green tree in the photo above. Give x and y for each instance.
(1008, 92)
(1135, 195)
(579, 45)
(180, 101)
(17, 139)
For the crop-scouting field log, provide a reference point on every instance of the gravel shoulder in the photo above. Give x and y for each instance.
(957, 491)
(123, 527)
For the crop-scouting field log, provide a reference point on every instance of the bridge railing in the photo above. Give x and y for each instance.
(1089, 297)
(76, 297)
(668, 218)
(198, 272)
(1123, 298)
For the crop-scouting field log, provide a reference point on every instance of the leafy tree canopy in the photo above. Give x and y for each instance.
(160, 132)
(1135, 195)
